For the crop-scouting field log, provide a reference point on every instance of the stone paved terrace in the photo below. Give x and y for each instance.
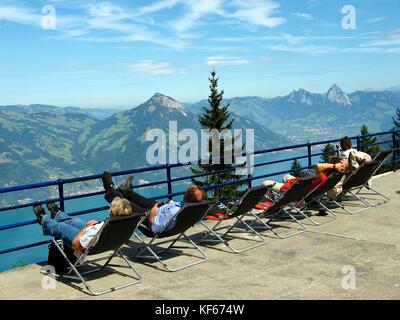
(308, 266)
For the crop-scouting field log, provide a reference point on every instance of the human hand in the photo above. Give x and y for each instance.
(340, 167)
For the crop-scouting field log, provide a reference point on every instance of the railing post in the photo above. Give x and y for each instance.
(395, 152)
(309, 154)
(358, 143)
(61, 194)
(168, 168)
(249, 166)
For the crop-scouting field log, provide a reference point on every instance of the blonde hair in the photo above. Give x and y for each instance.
(120, 207)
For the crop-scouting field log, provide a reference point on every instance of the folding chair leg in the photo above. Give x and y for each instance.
(326, 218)
(212, 232)
(366, 205)
(264, 225)
(80, 275)
(383, 201)
(302, 229)
(157, 255)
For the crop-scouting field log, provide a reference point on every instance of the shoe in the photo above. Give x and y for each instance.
(127, 184)
(322, 213)
(39, 212)
(107, 180)
(53, 208)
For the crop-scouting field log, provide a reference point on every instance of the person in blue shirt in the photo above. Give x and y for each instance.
(161, 216)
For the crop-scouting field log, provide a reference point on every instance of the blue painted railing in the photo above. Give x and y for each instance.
(62, 198)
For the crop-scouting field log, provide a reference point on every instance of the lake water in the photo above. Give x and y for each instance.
(32, 233)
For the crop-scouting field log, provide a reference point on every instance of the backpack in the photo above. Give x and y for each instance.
(56, 260)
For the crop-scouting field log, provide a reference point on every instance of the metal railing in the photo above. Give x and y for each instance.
(62, 198)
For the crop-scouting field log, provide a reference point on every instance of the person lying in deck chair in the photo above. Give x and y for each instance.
(347, 147)
(76, 233)
(160, 214)
(321, 171)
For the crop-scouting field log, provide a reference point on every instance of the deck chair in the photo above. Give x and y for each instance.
(280, 208)
(189, 215)
(317, 195)
(114, 233)
(236, 211)
(358, 180)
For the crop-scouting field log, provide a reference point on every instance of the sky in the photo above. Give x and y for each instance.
(117, 54)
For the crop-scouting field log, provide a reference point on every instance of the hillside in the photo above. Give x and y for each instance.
(40, 146)
(119, 141)
(39, 143)
(96, 113)
(311, 116)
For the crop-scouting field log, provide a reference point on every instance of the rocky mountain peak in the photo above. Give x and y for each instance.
(300, 96)
(159, 99)
(335, 95)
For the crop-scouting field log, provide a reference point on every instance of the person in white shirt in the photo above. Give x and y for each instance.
(161, 216)
(347, 147)
(76, 233)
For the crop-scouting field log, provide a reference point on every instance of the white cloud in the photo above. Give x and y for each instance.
(157, 6)
(108, 22)
(226, 61)
(291, 39)
(391, 40)
(317, 50)
(257, 12)
(154, 68)
(196, 10)
(375, 20)
(20, 15)
(304, 15)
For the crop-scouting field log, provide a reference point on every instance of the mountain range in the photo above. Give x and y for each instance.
(303, 116)
(41, 142)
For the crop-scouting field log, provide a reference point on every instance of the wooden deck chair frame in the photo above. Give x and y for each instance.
(94, 249)
(355, 190)
(237, 211)
(189, 215)
(284, 203)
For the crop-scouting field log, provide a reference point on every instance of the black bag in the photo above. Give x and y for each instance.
(56, 260)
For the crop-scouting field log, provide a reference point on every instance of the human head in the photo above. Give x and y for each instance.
(345, 143)
(194, 194)
(120, 207)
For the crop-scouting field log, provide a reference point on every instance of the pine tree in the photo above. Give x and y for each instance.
(218, 117)
(328, 151)
(368, 144)
(295, 168)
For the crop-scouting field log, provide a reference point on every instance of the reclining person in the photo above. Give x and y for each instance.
(75, 233)
(160, 214)
(347, 148)
(321, 172)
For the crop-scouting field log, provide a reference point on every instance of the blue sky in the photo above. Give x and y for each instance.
(118, 53)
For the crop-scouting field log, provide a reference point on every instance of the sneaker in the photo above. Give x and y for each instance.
(53, 208)
(39, 212)
(322, 213)
(127, 184)
(107, 180)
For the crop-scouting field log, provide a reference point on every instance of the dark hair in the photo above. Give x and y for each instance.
(335, 159)
(194, 194)
(345, 143)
